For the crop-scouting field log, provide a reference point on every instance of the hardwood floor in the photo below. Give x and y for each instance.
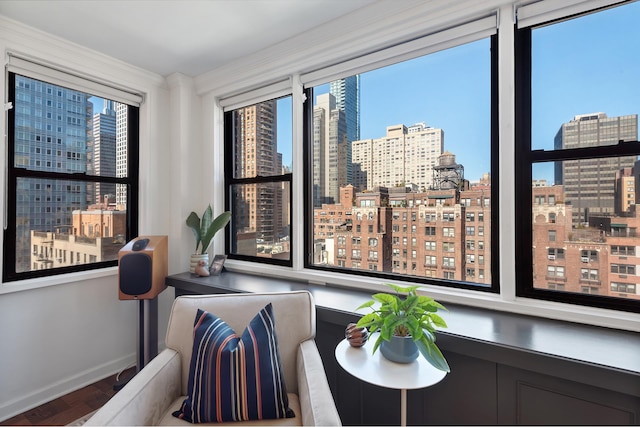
(68, 408)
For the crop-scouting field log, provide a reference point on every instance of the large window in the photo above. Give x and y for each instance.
(390, 159)
(578, 102)
(258, 146)
(72, 178)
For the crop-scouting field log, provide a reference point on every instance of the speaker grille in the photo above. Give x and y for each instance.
(135, 274)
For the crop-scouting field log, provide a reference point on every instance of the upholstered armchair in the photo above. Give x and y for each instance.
(161, 387)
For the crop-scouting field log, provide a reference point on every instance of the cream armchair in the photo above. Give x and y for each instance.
(160, 387)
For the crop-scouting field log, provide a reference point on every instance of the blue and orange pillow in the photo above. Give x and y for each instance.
(235, 378)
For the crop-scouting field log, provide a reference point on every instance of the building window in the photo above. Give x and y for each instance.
(94, 180)
(258, 181)
(555, 253)
(448, 232)
(576, 146)
(449, 262)
(555, 271)
(623, 269)
(588, 274)
(623, 250)
(627, 288)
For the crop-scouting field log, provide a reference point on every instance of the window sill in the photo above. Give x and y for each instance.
(608, 348)
(61, 279)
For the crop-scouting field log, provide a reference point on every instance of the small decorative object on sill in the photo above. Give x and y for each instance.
(356, 336)
(202, 269)
(195, 261)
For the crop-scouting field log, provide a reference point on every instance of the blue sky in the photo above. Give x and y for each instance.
(580, 71)
(576, 71)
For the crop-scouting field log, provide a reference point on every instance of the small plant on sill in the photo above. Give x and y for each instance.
(204, 229)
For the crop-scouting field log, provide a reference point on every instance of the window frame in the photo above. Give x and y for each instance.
(230, 181)
(526, 157)
(9, 273)
(494, 286)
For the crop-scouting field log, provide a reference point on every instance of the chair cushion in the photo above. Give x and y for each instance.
(235, 378)
(294, 404)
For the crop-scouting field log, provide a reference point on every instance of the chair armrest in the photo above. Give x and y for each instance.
(316, 401)
(146, 397)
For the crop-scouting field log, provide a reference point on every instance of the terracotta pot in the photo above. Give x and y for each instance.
(400, 349)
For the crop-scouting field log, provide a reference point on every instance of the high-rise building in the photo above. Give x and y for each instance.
(52, 137)
(625, 190)
(331, 151)
(121, 153)
(589, 184)
(404, 157)
(258, 207)
(104, 150)
(347, 94)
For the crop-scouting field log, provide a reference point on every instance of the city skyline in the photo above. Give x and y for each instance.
(555, 58)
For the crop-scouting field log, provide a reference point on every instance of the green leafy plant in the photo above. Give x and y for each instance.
(205, 229)
(406, 313)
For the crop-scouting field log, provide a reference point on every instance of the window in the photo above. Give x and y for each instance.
(555, 253)
(623, 287)
(360, 149)
(623, 269)
(623, 250)
(575, 148)
(258, 181)
(72, 187)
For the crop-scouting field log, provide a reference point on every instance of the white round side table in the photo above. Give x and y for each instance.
(376, 369)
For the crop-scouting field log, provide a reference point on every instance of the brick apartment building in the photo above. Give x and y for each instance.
(437, 233)
(601, 258)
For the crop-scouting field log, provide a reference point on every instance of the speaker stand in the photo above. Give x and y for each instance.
(147, 331)
(147, 336)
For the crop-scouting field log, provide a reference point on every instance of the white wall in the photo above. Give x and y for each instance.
(60, 334)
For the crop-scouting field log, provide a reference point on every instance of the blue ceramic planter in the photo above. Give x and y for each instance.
(400, 349)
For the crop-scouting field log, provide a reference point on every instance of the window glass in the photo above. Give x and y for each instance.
(68, 179)
(258, 140)
(585, 102)
(392, 146)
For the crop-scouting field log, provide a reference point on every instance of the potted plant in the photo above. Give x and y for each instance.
(407, 325)
(204, 230)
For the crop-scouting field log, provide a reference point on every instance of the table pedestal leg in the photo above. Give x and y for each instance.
(403, 407)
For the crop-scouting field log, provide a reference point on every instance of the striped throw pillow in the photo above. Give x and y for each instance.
(235, 378)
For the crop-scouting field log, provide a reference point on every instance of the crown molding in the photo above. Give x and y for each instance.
(38, 45)
(380, 25)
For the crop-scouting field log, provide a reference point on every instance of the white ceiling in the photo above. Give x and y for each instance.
(186, 36)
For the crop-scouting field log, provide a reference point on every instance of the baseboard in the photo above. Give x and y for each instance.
(53, 391)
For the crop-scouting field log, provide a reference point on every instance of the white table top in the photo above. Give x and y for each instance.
(377, 370)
